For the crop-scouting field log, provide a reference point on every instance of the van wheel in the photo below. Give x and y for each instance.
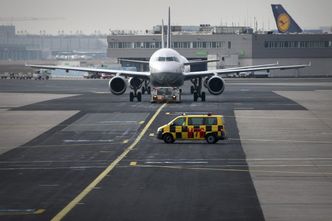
(211, 139)
(168, 138)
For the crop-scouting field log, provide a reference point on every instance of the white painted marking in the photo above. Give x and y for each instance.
(284, 141)
(51, 168)
(151, 134)
(49, 185)
(101, 92)
(243, 108)
(119, 122)
(176, 162)
(243, 159)
(88, 141)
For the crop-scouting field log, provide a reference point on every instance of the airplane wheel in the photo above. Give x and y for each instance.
(143, 90)
(195, 96)
(139, 96)
(191, 89)
(203, 96)
(131, 96)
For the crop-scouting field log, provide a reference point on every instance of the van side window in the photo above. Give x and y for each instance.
(179, 122)
(195, 120)
(211, 121)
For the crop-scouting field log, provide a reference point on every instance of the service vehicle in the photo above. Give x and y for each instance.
(106, 76)
(165, 94)
(42, 75)
(193, 127)
(246, 74)
(4, 75)
(91, 75)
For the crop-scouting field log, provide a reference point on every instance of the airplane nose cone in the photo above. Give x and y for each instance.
(166, 67)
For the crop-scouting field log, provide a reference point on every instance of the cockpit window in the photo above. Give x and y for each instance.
(168, 59)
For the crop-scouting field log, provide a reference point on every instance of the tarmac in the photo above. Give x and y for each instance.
(69, 150)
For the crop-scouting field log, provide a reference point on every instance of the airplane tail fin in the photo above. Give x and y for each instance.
(162, 34)
(169, 44)
(285, 23)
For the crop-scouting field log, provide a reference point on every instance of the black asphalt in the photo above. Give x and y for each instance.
(182, 181)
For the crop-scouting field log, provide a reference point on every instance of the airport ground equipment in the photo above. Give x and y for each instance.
(41, 75)
(193, 127)
(19, 75)
(165, 94)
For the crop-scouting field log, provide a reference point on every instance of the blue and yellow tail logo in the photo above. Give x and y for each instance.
(284, 21)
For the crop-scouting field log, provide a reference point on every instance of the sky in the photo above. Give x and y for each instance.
(70, 16)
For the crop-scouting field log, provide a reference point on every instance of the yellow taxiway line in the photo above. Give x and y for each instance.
(103, 174)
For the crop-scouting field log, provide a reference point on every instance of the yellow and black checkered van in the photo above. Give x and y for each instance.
(193, 127)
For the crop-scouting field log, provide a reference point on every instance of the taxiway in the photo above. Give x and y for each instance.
(72, 151)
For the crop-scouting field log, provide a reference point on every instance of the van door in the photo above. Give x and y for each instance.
(176, 127)
(196, 128)
(211, 124)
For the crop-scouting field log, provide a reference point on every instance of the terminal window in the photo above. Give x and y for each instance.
(298, 44)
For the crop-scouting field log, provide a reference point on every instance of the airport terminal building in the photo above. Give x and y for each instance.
(233, 46)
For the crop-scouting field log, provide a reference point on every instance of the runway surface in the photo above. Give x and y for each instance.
(69, 150)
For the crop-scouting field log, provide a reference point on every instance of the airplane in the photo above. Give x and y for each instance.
(167, 68)
(285, 23)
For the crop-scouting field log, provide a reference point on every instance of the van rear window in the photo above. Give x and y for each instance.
(211, 121)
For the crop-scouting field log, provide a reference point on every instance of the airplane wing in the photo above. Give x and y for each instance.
(201, 61)
(190, 75)
(143, 75)
(134, 61)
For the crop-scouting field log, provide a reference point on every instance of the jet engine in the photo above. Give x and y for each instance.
(135, 83)
(118, 85)
(215, 85)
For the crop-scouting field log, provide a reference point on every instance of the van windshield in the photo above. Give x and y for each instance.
(179, 122)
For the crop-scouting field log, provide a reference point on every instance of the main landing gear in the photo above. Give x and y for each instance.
(196, 89)
(137, 94)
(146, 87)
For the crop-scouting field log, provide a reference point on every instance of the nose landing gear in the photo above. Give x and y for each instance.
(134, 94)
(196, 89)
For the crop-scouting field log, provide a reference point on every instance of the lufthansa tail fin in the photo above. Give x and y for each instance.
(285, 23)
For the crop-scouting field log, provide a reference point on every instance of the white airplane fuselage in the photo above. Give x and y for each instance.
(167, 67)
